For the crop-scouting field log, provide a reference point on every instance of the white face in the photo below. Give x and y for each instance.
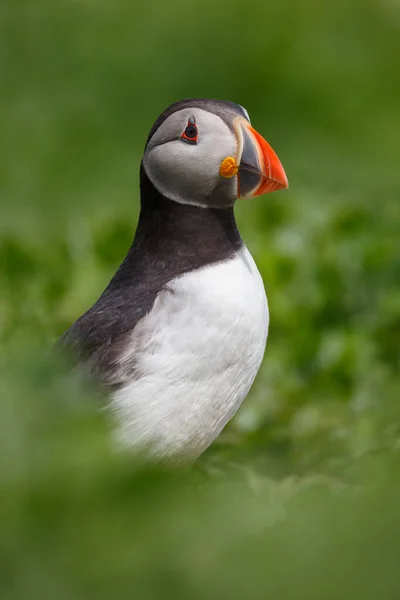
(188, 170)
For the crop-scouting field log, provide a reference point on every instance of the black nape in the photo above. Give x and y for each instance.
(173, 238)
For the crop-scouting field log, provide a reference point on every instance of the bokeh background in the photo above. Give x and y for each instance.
(299, 497)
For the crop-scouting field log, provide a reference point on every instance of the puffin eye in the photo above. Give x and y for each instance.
(190, 134)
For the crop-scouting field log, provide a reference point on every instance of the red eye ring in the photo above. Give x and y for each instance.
(191, 133)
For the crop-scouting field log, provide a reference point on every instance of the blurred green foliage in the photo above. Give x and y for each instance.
(299, 498)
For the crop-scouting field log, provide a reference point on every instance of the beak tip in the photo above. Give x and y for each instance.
(285, 182)
(275, 181)
(277, 171)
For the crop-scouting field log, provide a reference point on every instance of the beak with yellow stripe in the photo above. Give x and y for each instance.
(258, 169)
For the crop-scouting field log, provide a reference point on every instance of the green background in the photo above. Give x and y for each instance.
(299, 497)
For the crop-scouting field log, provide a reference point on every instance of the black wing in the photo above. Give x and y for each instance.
(96, 340)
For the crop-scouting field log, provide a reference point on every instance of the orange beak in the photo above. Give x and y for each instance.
(260, 170)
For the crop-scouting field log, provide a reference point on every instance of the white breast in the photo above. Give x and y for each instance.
(195, 357)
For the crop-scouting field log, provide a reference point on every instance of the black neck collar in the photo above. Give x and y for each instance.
(172, 238)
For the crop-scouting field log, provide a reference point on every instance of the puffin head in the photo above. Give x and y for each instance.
(206, 153)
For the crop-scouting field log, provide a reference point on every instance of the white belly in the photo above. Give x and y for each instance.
(196, 355)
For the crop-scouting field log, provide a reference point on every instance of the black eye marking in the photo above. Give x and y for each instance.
(191, 133)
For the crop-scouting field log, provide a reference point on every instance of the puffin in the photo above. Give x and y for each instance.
(178, 335)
